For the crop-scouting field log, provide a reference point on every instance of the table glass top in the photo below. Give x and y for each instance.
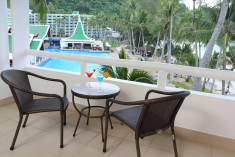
(107, 89)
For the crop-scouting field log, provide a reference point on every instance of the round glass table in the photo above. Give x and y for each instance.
(83, 90)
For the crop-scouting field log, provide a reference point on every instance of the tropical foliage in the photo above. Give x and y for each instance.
(126, 74)
(167, 26)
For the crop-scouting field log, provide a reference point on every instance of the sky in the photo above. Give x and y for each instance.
(189, 3)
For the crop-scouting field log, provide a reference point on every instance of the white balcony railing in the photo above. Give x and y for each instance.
(162, 68)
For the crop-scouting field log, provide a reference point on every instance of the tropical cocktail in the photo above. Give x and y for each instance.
(100, 79)
(89, 74)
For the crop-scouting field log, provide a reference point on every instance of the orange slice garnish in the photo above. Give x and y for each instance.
(106, 74)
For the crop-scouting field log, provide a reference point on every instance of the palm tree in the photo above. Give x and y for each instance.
(127, 24)
(204, 19)
(100, 23)
(231, 57)
(104, 25)
(216, 67)
(92, 24)
(163, 45)
(166, 17)
(155, 51)
(210, 46)
(194, 29)
(132, 13)
(171, 26)
(41, 8)
(58, 23)
(61, 32)
(142, 22)
(125, 74)
(227, 35)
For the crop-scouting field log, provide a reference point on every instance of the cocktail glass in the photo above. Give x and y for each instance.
(89, 74)
(100, 79)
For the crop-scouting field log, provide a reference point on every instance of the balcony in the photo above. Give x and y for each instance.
(204, 125)
(40, 138)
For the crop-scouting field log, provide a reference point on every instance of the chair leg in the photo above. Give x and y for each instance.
(64, 117)
(16, 133)
(137, 146)
(174, 140)
(106, 133)
(25, 121)
(111, 124)
(102, 130)
(89, 110)
(61, 130)
(77, 125)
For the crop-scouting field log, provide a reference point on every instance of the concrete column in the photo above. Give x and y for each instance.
(4, 47)
(20, 32)
(84, 68)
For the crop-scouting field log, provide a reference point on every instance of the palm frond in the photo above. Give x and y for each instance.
(141, 76)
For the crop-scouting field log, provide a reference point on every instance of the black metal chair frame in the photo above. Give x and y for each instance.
(22, 113)
(145, 103)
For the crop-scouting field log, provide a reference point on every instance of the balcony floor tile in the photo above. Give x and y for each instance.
(41, 137)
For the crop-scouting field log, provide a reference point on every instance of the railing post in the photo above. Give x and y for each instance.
(4, 44)
(20, 32)
(83, 68)
(162, 78)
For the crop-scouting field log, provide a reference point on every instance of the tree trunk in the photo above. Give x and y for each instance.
(133, 39)
(210, 46)
(139, 41)
(168, 51)
(105, 34)
(171, 26)
(163, 48)
(194, 30)
(199, 60)
(223, 81)
(204, 85)
(224, 60)
(145, 52)
(129, 37)
(96, 32)
(155, 51)
(217, 67)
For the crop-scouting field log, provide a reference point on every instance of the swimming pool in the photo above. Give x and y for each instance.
(72, 66)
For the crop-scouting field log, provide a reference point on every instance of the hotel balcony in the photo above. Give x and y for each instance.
(204, 126)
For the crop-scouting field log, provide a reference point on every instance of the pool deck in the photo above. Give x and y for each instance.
(85, 50)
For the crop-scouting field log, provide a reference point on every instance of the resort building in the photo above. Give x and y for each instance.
(37, 34)
(79, 40)
(67, 21)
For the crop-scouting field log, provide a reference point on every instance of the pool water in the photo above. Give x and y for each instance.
(72, 66)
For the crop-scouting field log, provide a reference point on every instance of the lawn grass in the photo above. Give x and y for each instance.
(113, 44)
(190, 81)
(181, 85)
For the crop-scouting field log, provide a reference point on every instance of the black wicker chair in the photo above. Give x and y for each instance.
(149, 116)
(19, 84)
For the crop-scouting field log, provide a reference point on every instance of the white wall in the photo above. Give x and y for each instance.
(4, 47)
(202, 112)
